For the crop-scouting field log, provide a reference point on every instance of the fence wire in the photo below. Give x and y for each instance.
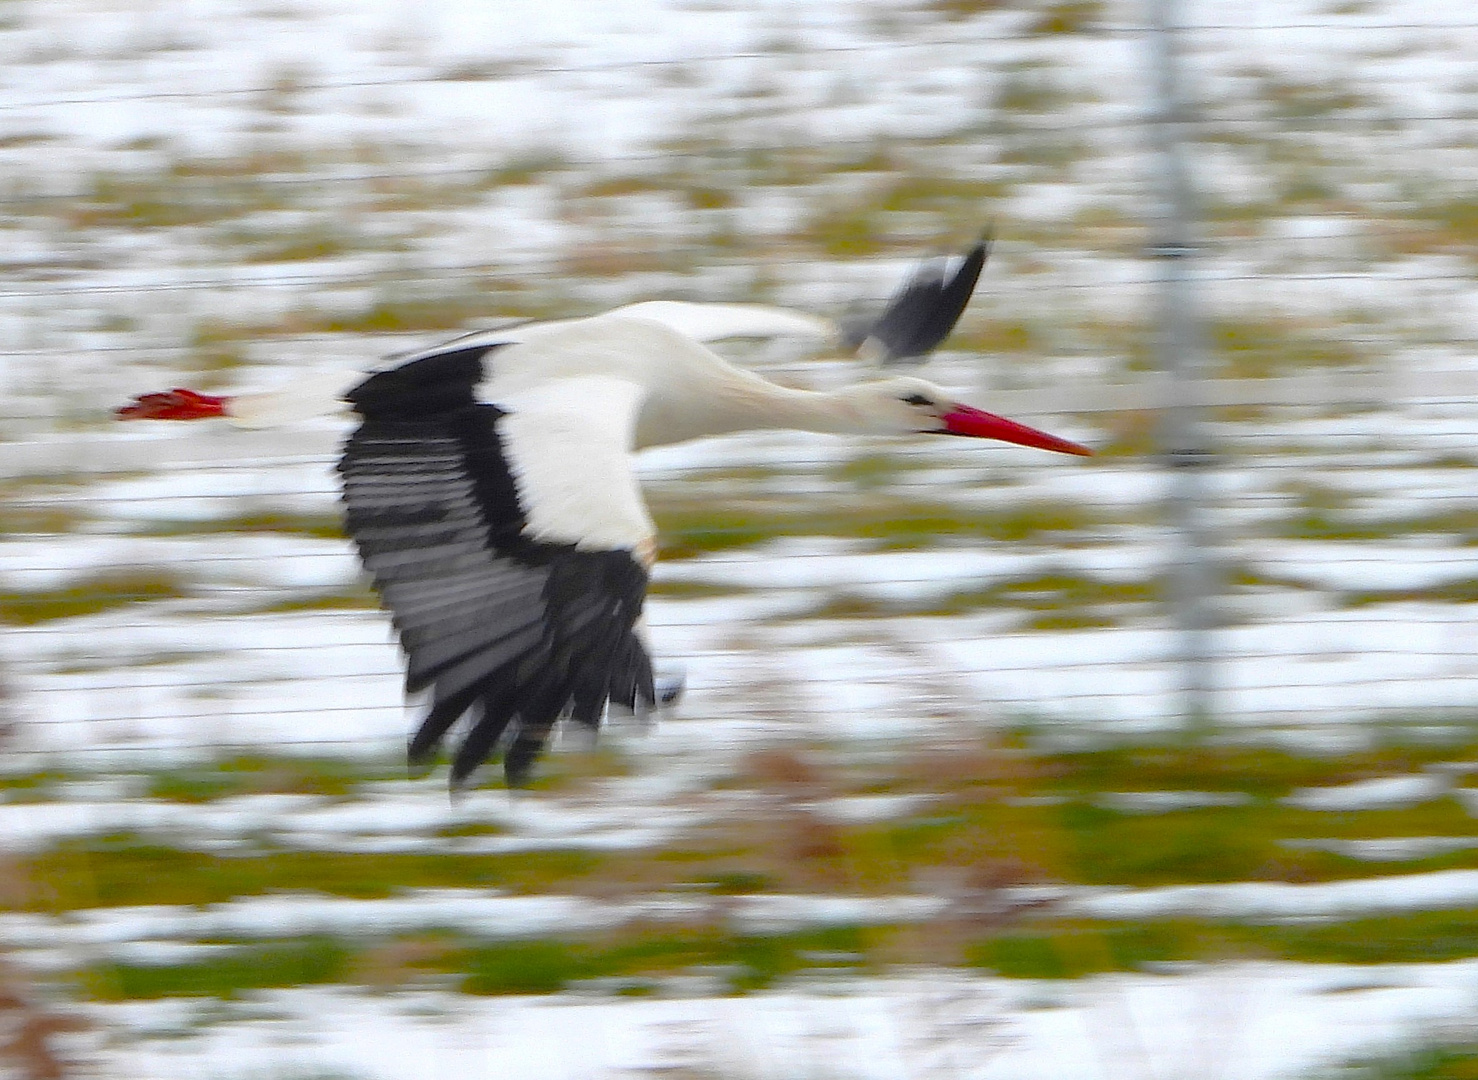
(176, 603)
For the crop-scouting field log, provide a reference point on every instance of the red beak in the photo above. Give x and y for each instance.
(963, 420)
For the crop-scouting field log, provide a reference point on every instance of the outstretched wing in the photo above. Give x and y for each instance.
(912, 324)
(702, 322)
(469, 518)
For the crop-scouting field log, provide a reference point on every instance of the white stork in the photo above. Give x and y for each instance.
(491, 492)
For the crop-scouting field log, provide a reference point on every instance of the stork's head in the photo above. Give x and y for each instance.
(906, 405)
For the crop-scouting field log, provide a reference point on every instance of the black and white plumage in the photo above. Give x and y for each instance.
(514, 630)
(491, 492)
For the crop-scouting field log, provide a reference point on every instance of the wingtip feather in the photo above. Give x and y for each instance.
(923, 312)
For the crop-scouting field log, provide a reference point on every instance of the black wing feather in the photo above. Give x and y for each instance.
(514, 633)
(924, 310)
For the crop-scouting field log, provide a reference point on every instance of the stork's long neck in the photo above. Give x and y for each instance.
(732, 400)
(832, 412)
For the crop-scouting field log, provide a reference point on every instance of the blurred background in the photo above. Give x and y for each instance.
(931, 807)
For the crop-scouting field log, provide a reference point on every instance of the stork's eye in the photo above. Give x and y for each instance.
(917, 399)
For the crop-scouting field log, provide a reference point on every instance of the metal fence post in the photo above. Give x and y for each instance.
(1180, 357)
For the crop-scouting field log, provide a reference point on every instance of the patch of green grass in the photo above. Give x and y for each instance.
(302, 962)
(1067, 17)
(887, 215)
(999, 336)
(687, 530)
(1074, 949)
(616, 255)
(914, 193)
(1458, 220)
(1083, 619)
(21, 786)
(256, 775)
(1239, 215)
(473, 828)
(701, 195)
(1455, 1059)
(1317, 524)
(739, 883)
(24, 138)
(481, 71)
(90, 596)
(1312, 495)
(1290, 153)
(40, 519)
(1054, 594)
(1291, 101)
(399, 309)
(525, 967)
(399, 312)
(1049, 601)
(867, 471)
(1241, 843)
(318, 526)
(692, 590)
(1421, 937)
(538, 966)
(1049, 154)
(697, 190)
(1461, 591)
(1071, 838)
(640, 956)
(701, 158)
(362, 598)
(748, 962)
(413, 194)
(1306, 184)
(131, 869)
(1263, 771)
(530, 167)
(1131, 340)
(214, 363)
(187, 193)
(606, 187)
(1029, 816)
(846, 232)
(851, 606)
(1273, 346)
(301, 245)
(1443, 224)
(964, 9)
(1031, 89)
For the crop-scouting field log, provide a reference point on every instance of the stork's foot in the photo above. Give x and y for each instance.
(177, 404)
(669, 682)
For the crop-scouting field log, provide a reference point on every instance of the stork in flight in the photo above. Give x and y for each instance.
(491, 491)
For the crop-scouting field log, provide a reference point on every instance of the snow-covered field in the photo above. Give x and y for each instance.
(232, 190)
(1237, 1022)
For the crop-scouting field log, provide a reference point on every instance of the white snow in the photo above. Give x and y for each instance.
(1282, 900)
(1391, 848)
(1249, 1021)
(382, 94)
(1381, 793)
(1161, 802)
